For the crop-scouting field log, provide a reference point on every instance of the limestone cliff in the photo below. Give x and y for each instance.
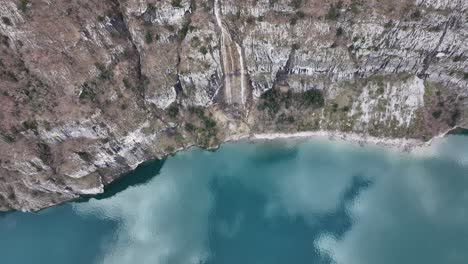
(90, 89)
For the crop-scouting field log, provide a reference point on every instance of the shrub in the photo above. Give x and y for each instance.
(270, 101)
(250, 20)
(173, 110)
(126, 83)
(334, 11)
(193, 4)
(88, 91)
(206, 6)
(209, 123)
(145, 82)
(170, 27)
(300, 14)
(436, 114)
(170, 149)
(176, 3)
(148, 37)
(45, 153)
(30, 125)
(416, 14)
(104, 73)
(151, 8)
(86, 156)
(273, 100)
(314, 98)
(184, 30)
(203, 50)
(458, 58)
(285, 119)
(297, 3)
(195, 42)
(190, 127)
(6, 21)
(355, 7)
(334, 107)
(339, 31)
(198, 111)
(389, 24)
(23, 5)
(5, 41)
(179, 137)
(380, 90)
(11, 76)
(293, 21)
(207, 133)
(455, 116)
(8, 138)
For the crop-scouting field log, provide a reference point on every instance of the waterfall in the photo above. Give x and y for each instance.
(232, 63)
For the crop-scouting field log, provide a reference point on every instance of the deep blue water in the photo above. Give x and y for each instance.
(276, 202)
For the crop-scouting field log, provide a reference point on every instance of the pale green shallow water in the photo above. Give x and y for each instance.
(282, 202)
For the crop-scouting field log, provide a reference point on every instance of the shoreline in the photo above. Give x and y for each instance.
(396, 144)
(399, 144)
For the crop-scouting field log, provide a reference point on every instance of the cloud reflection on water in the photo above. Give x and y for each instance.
(161, 222)
(415, 210)
(415, 213)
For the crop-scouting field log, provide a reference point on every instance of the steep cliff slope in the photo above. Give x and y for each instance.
(90, 89)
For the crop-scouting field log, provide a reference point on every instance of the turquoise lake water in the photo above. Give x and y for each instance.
(275, 202)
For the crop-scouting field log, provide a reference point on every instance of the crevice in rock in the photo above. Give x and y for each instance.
(126, 29)
(182, 34)
(178, 87)
(282, 73)
(428, 60)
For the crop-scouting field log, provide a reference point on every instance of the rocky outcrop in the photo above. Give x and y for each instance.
(90, 89)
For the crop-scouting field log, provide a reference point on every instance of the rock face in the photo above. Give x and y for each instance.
(90, 89)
